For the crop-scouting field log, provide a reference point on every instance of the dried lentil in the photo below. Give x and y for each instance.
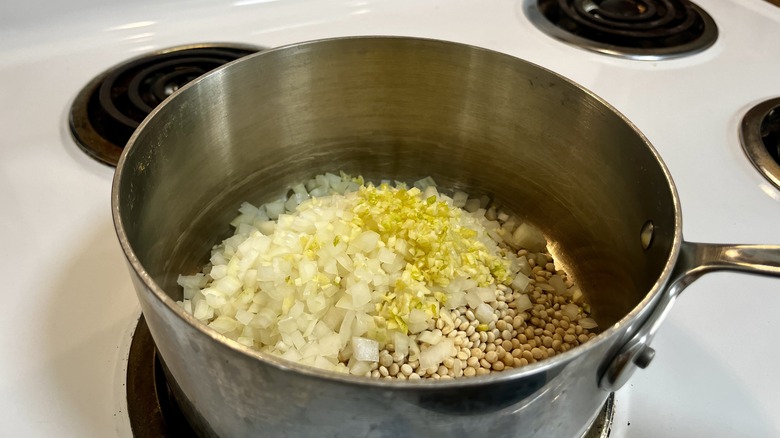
(513, 339)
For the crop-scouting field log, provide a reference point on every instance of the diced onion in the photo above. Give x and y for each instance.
(523, 266)
(459, 199)
(523, 303)
(472, 205)
(576, 294)
(520, 282)
(529, 237)
(435, 355)
(486, 295)
(360, 368)
(365, 349)
(485, 313)
(429, 337)
(401, 342)
(557, 282)
(338, 269)
(472, 298)
(570, 310)
(224, 324)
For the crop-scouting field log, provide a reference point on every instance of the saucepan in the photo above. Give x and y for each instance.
(404, 108)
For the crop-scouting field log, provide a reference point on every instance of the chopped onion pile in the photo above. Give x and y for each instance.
(332, 273)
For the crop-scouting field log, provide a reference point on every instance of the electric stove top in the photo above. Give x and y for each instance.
(72, 310)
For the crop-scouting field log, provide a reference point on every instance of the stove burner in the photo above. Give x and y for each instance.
(760, 137)
(108, 110)
(635, 29)
(151, 406)
(155, 413)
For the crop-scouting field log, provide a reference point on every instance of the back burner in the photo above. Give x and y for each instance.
(635, 29)
(109, 108)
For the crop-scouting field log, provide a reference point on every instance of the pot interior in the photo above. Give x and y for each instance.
(404, 109)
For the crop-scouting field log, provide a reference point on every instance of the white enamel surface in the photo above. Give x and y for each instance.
(70, 305)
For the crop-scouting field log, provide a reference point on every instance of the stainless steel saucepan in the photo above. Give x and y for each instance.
(406, 108)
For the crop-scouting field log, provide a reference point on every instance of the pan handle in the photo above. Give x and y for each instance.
(752, 259)
(695, 260)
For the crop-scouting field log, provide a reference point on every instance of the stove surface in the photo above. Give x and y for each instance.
(71, 304)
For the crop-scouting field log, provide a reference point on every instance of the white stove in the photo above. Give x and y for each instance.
(71, 308)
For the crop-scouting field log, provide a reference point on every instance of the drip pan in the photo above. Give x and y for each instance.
(760, 137)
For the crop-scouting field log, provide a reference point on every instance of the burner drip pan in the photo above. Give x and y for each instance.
(155, 412)
(151, 405)
(760, 138)
(107, 111)
(634, 29)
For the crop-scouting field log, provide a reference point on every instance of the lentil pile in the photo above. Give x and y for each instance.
(513, 339)
(389, 282)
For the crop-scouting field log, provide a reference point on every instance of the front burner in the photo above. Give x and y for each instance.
(155, 413)
(108, 110)
(151, 406)
(635, 29)
(760, 138)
